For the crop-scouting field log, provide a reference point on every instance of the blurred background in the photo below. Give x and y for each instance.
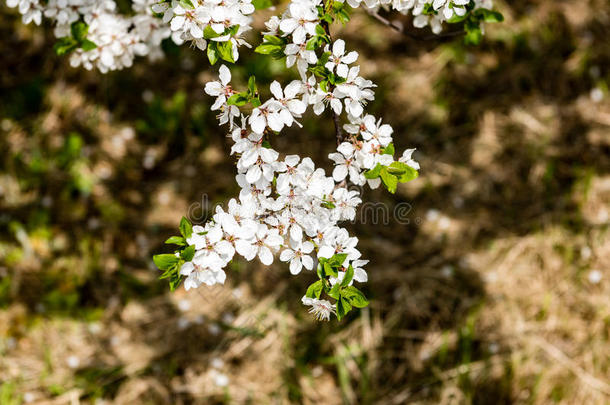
(492, 288)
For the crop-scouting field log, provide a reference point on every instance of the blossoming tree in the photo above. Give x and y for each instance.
(287, 207)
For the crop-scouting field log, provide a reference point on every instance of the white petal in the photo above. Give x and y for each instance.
(265, 255)
(225, 75)
(286, 255)
(307, 262)
(307, 247)
(339, 48)
(296, 233)
(295, 266)
(275, 122)
(258, 123)
(254, 173)
(276, 90)
(177, 22)
(350, 57)
(339, 173)
(245, 248)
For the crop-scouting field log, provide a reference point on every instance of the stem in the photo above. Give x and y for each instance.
(338, 131)
(398, 27)
(336, 119)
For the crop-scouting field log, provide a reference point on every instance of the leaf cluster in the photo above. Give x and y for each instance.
(170, 263)
(346, 296)
(77, 39)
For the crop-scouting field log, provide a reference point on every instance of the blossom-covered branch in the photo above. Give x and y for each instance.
(287, 207)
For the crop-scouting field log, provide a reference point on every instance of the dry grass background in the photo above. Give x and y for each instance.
(497, 291)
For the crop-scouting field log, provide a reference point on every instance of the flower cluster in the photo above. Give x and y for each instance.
(428, 12)
(99, 36)
(95, 33)
(222, 22)
(287, 207)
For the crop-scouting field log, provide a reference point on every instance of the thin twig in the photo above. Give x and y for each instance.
(338, 131)
(336, 119)
(398, 27)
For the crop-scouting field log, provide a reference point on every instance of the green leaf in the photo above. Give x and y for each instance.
(267, 49)
(390, 181)
(354, 296)
(88, 45)
(209, 33)
(473, 32)
(329, 205)
(175, 281)
(188, 253)
(65, 45)
(262, 4)
(256, 102)
(429, 9)
(225, 50)
(239, 99)
(176, 240)
(212, 53)
(252, 85)
(315, 290)
(272, 39)
(403, 172)
(343, 307)
(335, 291)
(320, 270)
(186, 4)
(186, 228)
(389, 150)
(79, 31)
(165, 261)
(266, 144)
(324, 86)
(232, 30)
(329, 270)
(489, 16)
(338, 259)
(374, 172)
(347, 278)
(410, 174)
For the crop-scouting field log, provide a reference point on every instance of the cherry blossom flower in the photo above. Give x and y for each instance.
(298, 256)
(321, 309)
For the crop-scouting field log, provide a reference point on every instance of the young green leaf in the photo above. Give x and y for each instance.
(343, 307)
(225, 50)
(335, 292)
(315, 290)
(186, 4)
(262, 4)
(347, 278)
(165, 261)
(338, 259)
(176, 240)
(88, 45)
(354, 296)
(186, 228)
(389, 150)
(374, 172)
(389, 180)
(212, 53)
(188, 253)
(79, 31)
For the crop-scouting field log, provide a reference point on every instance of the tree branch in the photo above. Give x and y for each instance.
(398, 27)
(336, 119)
